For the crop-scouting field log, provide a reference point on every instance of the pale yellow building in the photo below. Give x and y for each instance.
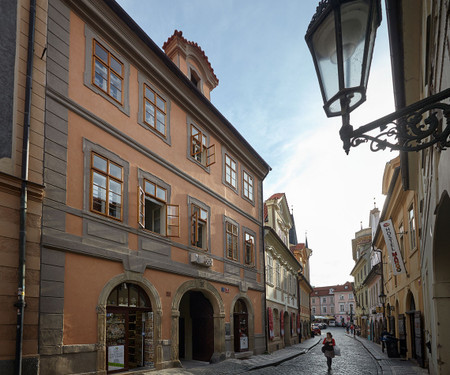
(404, 311)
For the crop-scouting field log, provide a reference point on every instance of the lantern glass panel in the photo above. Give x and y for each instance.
(324, 46)
(354, 19)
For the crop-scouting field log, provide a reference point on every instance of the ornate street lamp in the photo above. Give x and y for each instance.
(341, 38)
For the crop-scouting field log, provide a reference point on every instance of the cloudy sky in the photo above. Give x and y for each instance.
(269, 91)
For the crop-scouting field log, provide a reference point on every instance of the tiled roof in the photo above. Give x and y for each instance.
(179, 34)
(299, 246)
(276, 196)
(325, 290)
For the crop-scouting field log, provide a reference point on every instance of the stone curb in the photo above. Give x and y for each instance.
(281, 360)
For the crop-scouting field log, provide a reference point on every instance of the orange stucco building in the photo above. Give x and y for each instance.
(152, 246)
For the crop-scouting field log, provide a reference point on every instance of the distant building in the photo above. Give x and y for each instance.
(302, 253)
(282, 269)
(334, 302)
(361, 252)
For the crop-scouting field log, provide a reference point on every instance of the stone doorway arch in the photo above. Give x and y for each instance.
(153, 295)
(441, 284)
(214, 298)
(240, 299)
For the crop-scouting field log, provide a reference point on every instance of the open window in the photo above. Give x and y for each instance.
(155, 214)
(199, 148)
(199, 227)
(249, 249)
(232, 241)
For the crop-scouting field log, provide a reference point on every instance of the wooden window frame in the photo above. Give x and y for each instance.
(199, 146)
(249, 244)
(108, 177)
(249, 182)
(172, 211)
(155, 109)
(109, 70)
(195, 223)
(231, 169)
(233, 231)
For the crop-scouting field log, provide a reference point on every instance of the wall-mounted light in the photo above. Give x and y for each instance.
(341, 39)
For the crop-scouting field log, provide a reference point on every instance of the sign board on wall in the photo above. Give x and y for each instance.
(393, 249)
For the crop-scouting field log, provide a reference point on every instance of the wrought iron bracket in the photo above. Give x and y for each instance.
(412, 128)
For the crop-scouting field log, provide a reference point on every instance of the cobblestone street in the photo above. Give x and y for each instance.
(354, 359)
(359, 357)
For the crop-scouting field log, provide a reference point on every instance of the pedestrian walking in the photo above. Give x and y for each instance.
(328, 349)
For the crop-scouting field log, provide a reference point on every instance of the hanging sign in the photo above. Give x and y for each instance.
(393, 249)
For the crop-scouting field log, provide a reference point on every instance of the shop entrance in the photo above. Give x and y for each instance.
(196, 327)
(129, 329)
(240, 324)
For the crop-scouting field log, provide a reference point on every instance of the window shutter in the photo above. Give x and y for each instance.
(211, 155)
(173, 220)
(141, 205)
(194, 235)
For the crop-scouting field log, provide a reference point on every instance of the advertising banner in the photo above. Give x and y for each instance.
(393, 249)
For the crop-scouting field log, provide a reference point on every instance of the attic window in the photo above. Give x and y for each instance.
(195, 79)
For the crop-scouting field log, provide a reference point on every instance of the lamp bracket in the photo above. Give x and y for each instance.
(411, 128)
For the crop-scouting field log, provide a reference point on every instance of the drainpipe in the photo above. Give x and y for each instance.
(266, 322)
(20, 304)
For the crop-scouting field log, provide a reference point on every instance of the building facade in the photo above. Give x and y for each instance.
(361, 252)
(302, 253)
(403, 309)
(335, 302)
(282, 269)
(152, 237)
(421, 67)
(23, 34)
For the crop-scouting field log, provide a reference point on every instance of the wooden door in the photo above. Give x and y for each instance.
(202, 327)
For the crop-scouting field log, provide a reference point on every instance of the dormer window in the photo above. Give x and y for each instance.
(195, 78)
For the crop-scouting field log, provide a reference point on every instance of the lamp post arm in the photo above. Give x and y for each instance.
(407, 127)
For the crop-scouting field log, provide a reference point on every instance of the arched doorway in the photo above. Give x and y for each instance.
(240, 324)
(441, 291)
(129, 329)
(287, 329)
(196, 327)
(415, 341)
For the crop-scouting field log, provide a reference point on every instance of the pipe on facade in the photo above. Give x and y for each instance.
(20, 304)
(266, 320)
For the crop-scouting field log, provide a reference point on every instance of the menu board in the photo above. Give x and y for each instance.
(116, 357)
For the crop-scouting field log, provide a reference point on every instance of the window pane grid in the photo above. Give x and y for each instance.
(155, 110)
(232, 240)
(248, 186)
(107, 72)
(155, 191)
(106, 197)
(230, 171)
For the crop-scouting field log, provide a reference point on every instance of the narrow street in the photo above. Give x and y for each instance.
(355, 359)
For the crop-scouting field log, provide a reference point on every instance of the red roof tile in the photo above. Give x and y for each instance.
(179, 34)
(276, 196)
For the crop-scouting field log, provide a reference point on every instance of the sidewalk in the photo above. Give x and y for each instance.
(390, 366)
(239, 366)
